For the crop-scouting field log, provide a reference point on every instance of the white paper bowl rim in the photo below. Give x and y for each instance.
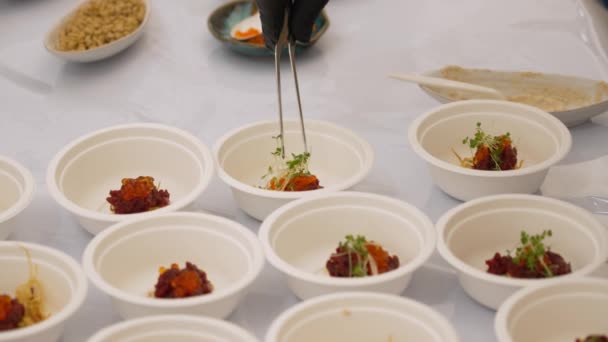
(49, 45)
(204, 179)
(162, 320)
(426, 249)
(256, 268)
(461, 266)
(368, 161)
(27, 194)
(564, 140)
(77, 298)
(286, 315)
(500, 321)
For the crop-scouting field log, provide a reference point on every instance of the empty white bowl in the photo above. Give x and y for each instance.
(558, 312)
(17, 186)
(473, 232)
(82, 174)
(64, 288)
(173, 328)
(541, 141)
(360, 317)
(299, 238)
(96, 54)
(123, 262)
(339, 159)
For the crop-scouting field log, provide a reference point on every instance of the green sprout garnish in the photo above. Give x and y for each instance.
(532, 251)
(284, 170)
(356, 245)
(494, 144)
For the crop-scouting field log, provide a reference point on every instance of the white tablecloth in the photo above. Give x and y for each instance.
(177, 74)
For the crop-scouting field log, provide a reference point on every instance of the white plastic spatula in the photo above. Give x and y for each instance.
(444, 83)
(252, 22)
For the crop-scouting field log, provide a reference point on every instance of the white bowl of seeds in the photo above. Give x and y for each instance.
(98, 29)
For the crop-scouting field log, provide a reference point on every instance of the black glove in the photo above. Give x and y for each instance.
(303, 16)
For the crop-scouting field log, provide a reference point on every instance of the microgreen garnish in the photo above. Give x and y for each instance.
(483, 145)
(284, 170)
(278, 152)
(483, 139)
(532, 251)
(356, 245)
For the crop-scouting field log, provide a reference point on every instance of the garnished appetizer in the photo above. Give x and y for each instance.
(594, 338)
(357, 257)
(532, 260)
(493, 153)
(137, 195)
(290, 174)
(175, 282)
(27, 308)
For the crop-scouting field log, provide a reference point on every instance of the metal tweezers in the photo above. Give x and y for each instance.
(285, 38)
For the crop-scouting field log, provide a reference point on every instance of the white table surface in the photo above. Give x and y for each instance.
(177, 74)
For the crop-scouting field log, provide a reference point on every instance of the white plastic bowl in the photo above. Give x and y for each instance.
(339, 158)
(17, 186)
(473, 232)
(82, 174)
(63, 283)
(99, 53)
(173, 328)
(123, 262)
(541, 141)
(554, 313)
(299, 238)
(360, 317)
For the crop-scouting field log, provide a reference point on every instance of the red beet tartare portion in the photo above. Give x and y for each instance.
(356, 257)
(532, 260)
(181, 283)
(137, 195)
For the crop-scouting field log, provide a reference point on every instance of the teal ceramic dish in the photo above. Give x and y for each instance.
(222, 20)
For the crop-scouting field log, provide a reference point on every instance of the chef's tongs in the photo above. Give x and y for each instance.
(285, 38)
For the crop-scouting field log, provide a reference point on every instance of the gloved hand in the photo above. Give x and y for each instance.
(302, 18)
